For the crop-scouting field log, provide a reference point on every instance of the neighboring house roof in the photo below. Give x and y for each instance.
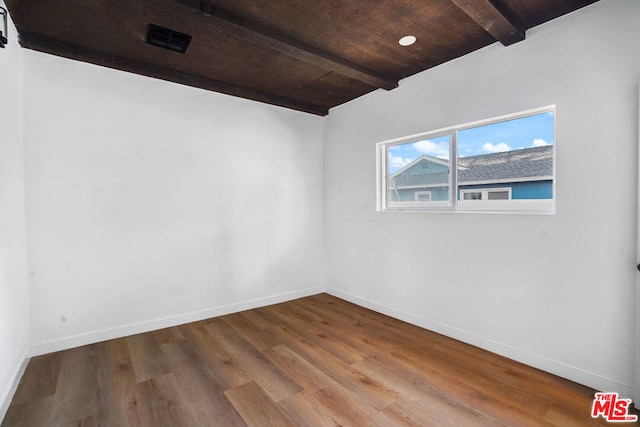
(516, 165)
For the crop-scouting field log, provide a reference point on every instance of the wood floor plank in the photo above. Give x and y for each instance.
(306, 411)
(258, 318)
(167, 335)
(478, 384)
(88, 422)
(162, 402)
(146, 357)
(454, 393)
(326, 390)
(77, 389)
(116, 380)
(256, 408)
(432, 411)
(249, 331)
(315, 330)
(40, 378)
(32, 413)
(277, 385)
(315, 361)
(206, 396)
(214, 358)
(370, 390)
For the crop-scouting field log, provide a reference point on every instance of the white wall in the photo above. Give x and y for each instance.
(556, 291)
(151, 204)
(14, 288)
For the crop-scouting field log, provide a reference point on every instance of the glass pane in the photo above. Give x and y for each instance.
(472, 195)
(498, 195)
(515, 154)
(419, 167)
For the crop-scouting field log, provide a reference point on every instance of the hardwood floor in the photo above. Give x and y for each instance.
(316, 361)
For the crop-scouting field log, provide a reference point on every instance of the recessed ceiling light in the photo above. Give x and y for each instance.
(407, 40)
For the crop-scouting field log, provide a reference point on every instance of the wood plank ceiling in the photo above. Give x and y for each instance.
(308, 55)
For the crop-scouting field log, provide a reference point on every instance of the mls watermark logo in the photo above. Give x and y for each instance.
(611, 408)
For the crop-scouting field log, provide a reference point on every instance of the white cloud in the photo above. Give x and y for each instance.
(430, 148)
(539, 142)
(495, 148)
(398, 162)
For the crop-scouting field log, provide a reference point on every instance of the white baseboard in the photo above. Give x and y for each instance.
(7, 394)
(548, 365)
(165, 322)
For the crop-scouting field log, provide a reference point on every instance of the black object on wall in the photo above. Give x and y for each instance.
(3, 35)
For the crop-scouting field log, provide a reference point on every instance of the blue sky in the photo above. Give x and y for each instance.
(524, 132)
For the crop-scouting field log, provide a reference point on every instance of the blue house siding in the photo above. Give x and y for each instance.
(519, 190)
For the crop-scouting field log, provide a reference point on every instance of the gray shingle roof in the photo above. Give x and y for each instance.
(515, 164)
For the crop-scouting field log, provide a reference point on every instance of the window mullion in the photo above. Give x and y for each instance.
(453, 185)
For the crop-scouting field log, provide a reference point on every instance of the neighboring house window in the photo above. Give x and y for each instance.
(423, 196)
(471, 195)
(501, 164)
(486, 194)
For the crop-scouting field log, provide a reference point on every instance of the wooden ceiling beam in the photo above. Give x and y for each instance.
(492, 20)
(273, 39)
(71, 51)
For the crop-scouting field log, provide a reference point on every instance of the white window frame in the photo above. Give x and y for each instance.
(535, 206)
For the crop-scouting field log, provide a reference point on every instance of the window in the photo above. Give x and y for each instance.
(423, 196)
(504, 164)
(471, 195)
(499, 194)
(486, 194)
